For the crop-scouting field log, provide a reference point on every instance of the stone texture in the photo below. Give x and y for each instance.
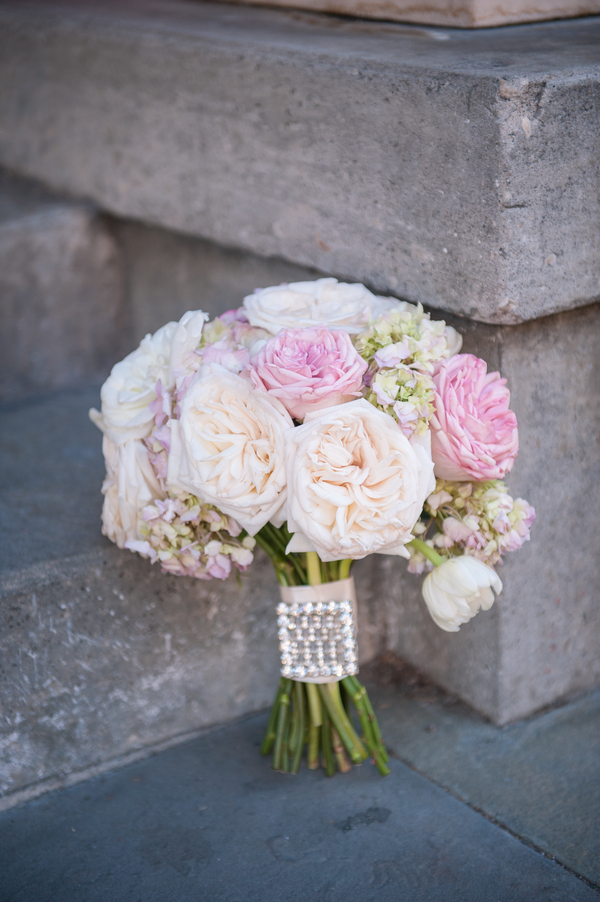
(453, 13)
(541, 640)
(61, 292)
(168, 273)
(441, 166)
(539, 778)
(210, 820)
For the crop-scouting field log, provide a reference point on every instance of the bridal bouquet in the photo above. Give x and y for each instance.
(323, 424)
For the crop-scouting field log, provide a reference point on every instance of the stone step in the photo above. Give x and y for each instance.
(62, 301)
(210, 820)
(438, 165)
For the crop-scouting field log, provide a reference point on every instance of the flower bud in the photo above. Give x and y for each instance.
(457, 589)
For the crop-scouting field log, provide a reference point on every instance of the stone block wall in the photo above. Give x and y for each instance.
(62, 303)
(428, 166)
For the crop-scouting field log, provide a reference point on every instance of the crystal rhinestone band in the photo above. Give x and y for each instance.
(317, 639)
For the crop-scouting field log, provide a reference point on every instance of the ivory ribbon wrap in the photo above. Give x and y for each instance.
(317, 631)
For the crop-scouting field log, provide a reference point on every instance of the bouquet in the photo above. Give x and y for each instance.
(322, 424)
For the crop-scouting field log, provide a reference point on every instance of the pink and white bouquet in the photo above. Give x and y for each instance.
(323, 424)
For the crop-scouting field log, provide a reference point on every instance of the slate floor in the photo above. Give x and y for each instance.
(209, 820)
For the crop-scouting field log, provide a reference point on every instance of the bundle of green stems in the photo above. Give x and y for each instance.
(317, 716)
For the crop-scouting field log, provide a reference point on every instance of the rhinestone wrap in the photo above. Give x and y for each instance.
(317, 639)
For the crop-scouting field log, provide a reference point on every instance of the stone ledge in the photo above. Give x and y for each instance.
(440, 166)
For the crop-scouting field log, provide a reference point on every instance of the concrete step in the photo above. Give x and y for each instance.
(211, 820)
(538, 778)
(62, 302)
(439, 165)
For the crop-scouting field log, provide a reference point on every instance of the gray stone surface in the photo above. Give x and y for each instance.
(100, 653)
(442, 166)
(541, 639)
(210, 820)
(168, 273)
(61, 292)
(539, 778)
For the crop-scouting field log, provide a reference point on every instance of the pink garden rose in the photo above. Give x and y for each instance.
(473, 432)
(309, 369)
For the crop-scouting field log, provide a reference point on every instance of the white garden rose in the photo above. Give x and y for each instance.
(356, 484)
(131, 386)
(457, 589)
(228, 448)
(129, 486)
(325, 302)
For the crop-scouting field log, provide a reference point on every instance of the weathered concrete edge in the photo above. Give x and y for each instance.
(63, 781)
(509, 277)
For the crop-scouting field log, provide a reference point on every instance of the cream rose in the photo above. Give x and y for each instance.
(356, 485)
(131, 387)
(228, 448)
(130, 485)
(325, 302)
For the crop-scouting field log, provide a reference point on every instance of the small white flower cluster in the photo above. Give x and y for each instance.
(477, 519)
(402, 348)
(192, 539)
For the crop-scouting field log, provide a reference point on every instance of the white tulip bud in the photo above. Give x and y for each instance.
(457, 589)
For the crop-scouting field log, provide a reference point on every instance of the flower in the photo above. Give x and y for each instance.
(404, 348)
(479, 519)
(457, 589)
(191, 539)
(405, 334)
(517, 526)
(130, 485)
(309, 369)
(473, 432)
(325, 302)
(228, 448)
(128, 394)
(231, 341)
(356, 485)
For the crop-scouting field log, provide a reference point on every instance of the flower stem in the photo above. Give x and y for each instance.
(353, 744)
(299, 699)
(431, 555)
(313, 746)
(344, 571)
(294, 719)
(271, 731)
(340, 755)
(372, 735)
(334, 692)
(313, 568)
(285, 756)
(314, 705)
(284, 708)
(326, 744)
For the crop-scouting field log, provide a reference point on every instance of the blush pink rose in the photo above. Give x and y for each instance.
(309, 369)
(473, 432)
